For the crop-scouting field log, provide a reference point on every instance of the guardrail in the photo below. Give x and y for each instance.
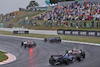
(45, 32)
(17, 28)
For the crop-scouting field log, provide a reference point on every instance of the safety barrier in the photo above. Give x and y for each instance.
(78, 32)
(20, 32)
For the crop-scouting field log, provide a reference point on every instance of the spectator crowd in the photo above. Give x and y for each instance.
(63, 15)
(75, 11)
(7, 17)
(73, 15)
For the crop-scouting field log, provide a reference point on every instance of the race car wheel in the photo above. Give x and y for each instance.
(59, 40)
(34, 44)
(21, 44)
(45, 39)
(52, 61)
(78, 57)
(71, 59)
(66, 61)
(25, 47)
(51, 41)
(56, 40)
(83, 54)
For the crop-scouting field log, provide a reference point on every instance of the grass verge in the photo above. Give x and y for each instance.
(3, 56)
(64, 37)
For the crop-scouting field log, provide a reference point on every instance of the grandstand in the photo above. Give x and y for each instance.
(82, 15)
(73, 11)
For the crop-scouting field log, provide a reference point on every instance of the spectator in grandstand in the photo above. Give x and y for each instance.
(35, 23)
(66, 23)
(97, 24)
(77, 24)
(30, 22)
(44, 22)
(26, 18)
(71, 24)
(84, 24)
(76, 11)
(16, 13)
(86, 11)
(92, 23)
(80, 23)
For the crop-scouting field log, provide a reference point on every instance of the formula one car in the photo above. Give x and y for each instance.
(65, 58)
(28, 44)
(53, 39)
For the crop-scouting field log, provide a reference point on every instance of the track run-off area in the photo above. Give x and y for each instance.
(39, 55)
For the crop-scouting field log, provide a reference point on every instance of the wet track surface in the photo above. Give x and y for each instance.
(39, 56)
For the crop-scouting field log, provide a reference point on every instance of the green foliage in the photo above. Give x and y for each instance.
(3, 56)
(32, 4)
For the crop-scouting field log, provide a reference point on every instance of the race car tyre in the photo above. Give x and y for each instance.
(52, 61)
(21, 44)
(78, 57)
(59, 40)
(66, 61)
(71, 59)
(25, 47)
(56, 40)
(45, 39)
(83, 54)
(34, 44)
(51, 41)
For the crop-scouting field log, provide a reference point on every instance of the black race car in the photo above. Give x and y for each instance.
(53, 39)
(28, 44)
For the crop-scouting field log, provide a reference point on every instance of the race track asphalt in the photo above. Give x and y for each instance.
(39, 55)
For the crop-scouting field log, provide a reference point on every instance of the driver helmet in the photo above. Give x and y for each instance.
(66, 51)
(74, 48)
(80, 49)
